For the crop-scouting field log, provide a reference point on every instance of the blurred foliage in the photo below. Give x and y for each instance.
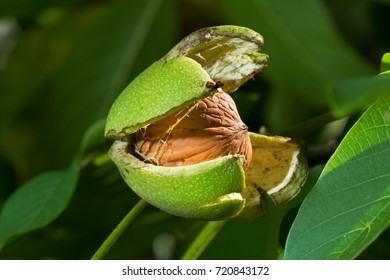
(62, 63)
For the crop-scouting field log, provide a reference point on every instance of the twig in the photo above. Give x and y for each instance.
(119, 230)
(205, 236)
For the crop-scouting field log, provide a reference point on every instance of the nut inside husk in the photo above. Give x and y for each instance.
(203, 131)
(180, 142)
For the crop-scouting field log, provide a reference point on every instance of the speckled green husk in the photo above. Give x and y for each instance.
(162, 88)
(208, 190)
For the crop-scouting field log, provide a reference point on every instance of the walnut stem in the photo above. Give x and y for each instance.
(119, 230)
(205, 236)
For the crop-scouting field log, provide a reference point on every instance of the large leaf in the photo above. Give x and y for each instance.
(38, 202)
(350, 204)
(305, 52)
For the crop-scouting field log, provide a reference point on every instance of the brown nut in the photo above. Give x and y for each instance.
(206, 130)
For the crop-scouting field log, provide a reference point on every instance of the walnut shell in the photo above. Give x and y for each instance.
(209, 129)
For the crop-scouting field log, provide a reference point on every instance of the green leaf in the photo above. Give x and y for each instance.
(37, 203)
(349, 206)
(348, 96)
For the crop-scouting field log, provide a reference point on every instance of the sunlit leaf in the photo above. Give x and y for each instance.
(349, 206)
(37, 203)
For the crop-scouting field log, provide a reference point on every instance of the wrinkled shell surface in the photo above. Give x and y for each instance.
(209, 129)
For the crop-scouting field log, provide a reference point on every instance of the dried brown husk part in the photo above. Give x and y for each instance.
(206, 130)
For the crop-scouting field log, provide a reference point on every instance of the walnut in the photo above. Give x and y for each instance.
(206, 130)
